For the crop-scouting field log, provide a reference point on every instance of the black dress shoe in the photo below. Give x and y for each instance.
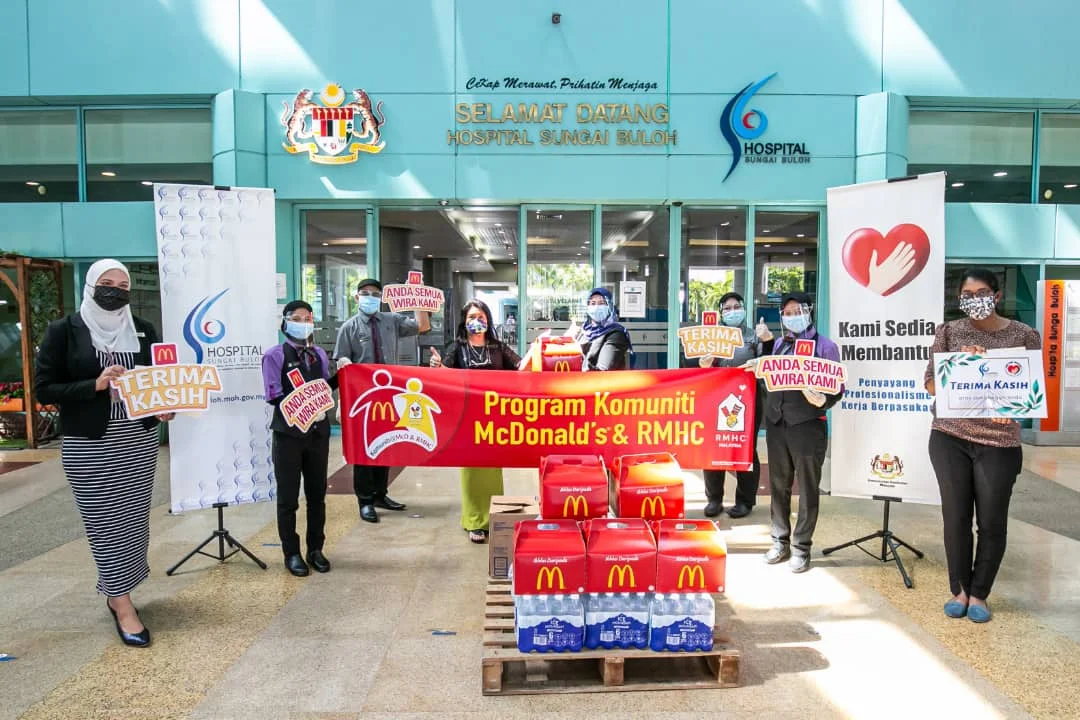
(296, 565)
(739, 511)
(712, 509)
(368, 514)
(139, 639)
(317, 560)
(388, 503)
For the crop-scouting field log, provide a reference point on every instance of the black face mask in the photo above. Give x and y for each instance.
(111, 298)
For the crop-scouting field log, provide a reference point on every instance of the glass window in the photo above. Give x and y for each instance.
(1019, 285)
(559, 270)
(146, 293)
(987, 155)
(713, 261)
(634, 246)
(127, 151)
(39, 156)
(335, 260)
(785, 260)
(1059, 159)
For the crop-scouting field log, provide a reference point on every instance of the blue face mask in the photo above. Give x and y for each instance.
(734, 318)
(598, 313)
(298, 330)
(369, 305)
(476, 327)
(796, 324)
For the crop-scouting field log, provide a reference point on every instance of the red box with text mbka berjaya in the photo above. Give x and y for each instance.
(648, 486)
(573, 487)
(549, 558)
(691, 557)
(620, 556)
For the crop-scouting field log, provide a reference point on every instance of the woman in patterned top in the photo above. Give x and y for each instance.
(976, 460)
(476, 347)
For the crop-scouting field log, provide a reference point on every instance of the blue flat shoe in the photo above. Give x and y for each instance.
(979, 614)
(956, 609)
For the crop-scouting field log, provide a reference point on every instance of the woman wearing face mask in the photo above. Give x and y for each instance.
(109, 459)
(796, 435)
(476, 347)
(976, 460)
(756, 343)
(296, 453)
(604, 342)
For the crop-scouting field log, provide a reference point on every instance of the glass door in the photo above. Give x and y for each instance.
(559, 272)
(335, 260)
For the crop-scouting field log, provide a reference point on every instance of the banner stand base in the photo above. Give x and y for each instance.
(889, 546)
(223, 537)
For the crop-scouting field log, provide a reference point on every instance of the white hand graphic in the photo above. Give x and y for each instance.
(891, 270)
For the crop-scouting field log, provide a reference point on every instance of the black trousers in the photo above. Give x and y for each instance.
(796, 454)
(370, 482)
(296, 458)
(747, 481)
(979, 479)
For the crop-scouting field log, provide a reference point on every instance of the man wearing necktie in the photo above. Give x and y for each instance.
(372, 337)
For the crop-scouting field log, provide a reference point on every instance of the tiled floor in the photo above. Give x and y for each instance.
(845, 640)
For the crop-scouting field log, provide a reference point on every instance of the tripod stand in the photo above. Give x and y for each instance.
(222, 536)
(889, 545)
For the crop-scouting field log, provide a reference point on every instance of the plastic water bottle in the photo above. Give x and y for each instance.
(682, 622)
(549, 623)
(628, 626)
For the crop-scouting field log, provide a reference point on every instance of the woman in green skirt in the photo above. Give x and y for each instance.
(476, 347)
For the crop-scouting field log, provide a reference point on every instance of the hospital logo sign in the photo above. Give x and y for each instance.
(333, 131)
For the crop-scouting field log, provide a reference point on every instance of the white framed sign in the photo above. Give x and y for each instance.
(632, 298)
(1002, 384)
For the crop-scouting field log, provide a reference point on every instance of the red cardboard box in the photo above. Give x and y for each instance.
(549, 558)
(691, 556)
(573, 487)
(620, 556)
(556, 354)
(648, 486)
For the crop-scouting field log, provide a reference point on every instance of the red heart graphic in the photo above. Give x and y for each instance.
(861, 244)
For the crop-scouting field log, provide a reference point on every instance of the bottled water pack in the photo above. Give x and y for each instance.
(682, 622)
(616, 620)
(549, 623)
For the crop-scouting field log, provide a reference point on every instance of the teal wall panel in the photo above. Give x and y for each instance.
(15, 77)
(563, 178)
(999, 231)
(1067, 233)
(35, 229)
(116, 230)
(370, 177)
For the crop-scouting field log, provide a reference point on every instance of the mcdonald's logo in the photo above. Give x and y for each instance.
(687, 575)
(578, 503)
(562, 366)
(165, 354)
(648, 507)
(551, 573)
(623, 571)
(383, 411)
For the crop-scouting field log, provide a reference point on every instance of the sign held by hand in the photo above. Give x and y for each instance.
(413, 295)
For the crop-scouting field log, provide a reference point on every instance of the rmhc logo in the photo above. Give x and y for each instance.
(624, 571)
(550, 573)
(687, 575)
(578, 503)
(394, 414)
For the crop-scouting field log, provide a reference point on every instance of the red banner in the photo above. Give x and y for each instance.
(406, 416)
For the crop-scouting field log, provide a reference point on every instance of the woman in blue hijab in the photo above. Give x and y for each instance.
(604, 342)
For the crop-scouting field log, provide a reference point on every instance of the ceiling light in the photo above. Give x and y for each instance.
(801, 235)
(430, 255)
(498, 224)
(768, 245)
(660, 255)
(795, 253)
(108, 173)
(1001, 173)
(415, 247)
(579, 254)
(32, 183)
(1070, 186)
(958, 184)
(765, 230)
(742, 253)
(348, 252)
(147, 182)
(326, 244)
(583, 247)
(725, 223)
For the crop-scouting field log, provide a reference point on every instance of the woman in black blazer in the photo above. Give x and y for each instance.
(109, 459)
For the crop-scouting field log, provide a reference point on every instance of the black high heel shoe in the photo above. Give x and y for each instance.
(140, 639)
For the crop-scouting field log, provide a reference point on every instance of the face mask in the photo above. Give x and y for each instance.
(796, 323)
(299, 330)
(598, 313)
(476, 327)
(734, 318)
(111, 298)
(369, 305)
(978, 308)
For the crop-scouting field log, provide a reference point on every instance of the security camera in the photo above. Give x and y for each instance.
(556, 18)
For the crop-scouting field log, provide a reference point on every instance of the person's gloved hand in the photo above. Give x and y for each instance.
(814, 397)
(342, 362)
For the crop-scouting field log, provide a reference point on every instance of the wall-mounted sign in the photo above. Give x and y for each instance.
(564, 83)
(743, 127)
(638, 124)
(339, 131)
(632, 298)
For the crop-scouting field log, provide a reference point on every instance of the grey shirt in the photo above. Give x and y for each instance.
(751, 348)
(354, 337)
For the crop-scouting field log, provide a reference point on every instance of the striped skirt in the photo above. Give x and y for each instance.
(112, 480)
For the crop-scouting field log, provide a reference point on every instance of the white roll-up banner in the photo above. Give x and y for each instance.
(216, 259)
(886, 299)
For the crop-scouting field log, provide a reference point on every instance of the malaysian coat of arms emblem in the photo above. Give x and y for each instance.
(334, 132)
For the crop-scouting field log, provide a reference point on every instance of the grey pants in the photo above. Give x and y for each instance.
(796, 453)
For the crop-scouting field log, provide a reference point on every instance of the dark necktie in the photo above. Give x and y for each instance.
(307, 356)
(376, 350)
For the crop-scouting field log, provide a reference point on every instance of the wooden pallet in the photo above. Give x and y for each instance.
(508, 671)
